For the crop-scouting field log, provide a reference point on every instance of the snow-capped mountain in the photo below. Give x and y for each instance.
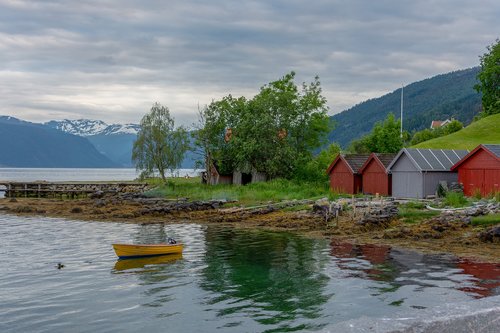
(86, 127)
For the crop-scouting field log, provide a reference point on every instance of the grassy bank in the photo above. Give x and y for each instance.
(256, 193)
(482, 131)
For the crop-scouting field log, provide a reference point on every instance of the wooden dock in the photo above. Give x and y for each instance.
(43, 189)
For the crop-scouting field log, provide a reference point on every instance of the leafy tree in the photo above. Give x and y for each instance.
(428, 134)
(272, 133)
(315, 169)
(159, 146)
(385, 137)
(489, 78)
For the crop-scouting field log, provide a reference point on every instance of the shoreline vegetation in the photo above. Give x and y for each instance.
(283, 205)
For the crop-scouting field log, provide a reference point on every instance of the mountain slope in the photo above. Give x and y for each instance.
(114, 141)
(34, 145)
(486, 130)
(117, 147)
(437, 98)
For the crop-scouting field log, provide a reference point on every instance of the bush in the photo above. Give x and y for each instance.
(455, 199)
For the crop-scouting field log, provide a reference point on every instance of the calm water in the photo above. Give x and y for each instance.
(227, 280)
(73, 174)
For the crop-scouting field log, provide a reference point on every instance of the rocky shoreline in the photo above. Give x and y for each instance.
(356, 222)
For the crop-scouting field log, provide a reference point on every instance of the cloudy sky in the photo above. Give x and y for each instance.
(110, 60)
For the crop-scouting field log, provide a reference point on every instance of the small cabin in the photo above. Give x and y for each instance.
(236, 177)
(375, 177)
(416, 172)
(344, 173)
(243, 178)
(479, 171)
(439, 123)
(216, 177)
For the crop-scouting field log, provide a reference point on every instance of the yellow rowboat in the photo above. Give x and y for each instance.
(141, 262)
(126, 251)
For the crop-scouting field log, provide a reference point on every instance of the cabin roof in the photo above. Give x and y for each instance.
(493, 150)
(382, 159)
(385, 159)
(356, 161)
(353, 161)
(431, 159)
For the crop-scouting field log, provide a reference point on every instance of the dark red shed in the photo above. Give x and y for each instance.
(376, 178)
(344, 173)
(480, 170)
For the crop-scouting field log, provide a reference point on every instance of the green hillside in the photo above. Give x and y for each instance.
(486, 130)
(437, 98)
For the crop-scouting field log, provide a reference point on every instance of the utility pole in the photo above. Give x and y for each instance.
(401, 131)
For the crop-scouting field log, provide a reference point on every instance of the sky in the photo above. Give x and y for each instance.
(111, 60)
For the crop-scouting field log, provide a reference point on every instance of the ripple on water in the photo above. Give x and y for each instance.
(226, 280)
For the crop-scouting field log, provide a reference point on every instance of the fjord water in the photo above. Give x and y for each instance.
(76, 174)
(228, 280)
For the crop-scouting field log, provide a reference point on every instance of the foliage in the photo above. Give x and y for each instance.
(482, 131)
(385, 137)
(429, 134)
(412, 215)
(440, 97)
(274, 132)
(455, 199)
(159, 146)
(315, 169)
(489, 79)
(413, 205)
(486, 220)
(251, 194)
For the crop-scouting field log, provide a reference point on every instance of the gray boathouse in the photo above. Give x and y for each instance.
(416, 172)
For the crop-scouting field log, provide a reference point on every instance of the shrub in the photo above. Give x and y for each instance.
(455, 199)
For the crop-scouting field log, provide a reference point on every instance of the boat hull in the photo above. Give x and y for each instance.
(128, 251)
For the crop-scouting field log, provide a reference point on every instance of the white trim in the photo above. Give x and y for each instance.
(447, 157)
(454, 152)
(437, 159)
(424, 158)
(413, 160)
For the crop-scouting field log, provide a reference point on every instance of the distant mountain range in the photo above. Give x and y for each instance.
(93, 143)
(86, 127)
(437, 98)
(114, 141)
(31, 145)
(67, 143)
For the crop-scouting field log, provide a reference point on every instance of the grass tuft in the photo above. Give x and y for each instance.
(486, 220)
(455, 199)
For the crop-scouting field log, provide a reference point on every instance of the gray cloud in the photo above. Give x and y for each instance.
(111, 60)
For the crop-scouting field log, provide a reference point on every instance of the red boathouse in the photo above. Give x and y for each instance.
(375, 177)
(480, 170)
(344, 173)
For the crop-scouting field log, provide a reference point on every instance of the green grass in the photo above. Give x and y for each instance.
(486, 220)
(412, 215)
(482, 131)
(414, 205)
(256, 193)
(454, 199)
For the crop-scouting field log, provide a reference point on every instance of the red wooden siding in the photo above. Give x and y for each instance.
(341, 178)
(375, 179)
(480, 172)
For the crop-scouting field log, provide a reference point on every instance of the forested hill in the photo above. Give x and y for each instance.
(437, 98)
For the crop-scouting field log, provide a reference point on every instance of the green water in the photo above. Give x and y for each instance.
(228, 280)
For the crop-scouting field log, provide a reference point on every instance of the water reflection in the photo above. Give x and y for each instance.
(397, 268)
(274, 278)
(485, 278)
(139, 263)
(228, 280)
